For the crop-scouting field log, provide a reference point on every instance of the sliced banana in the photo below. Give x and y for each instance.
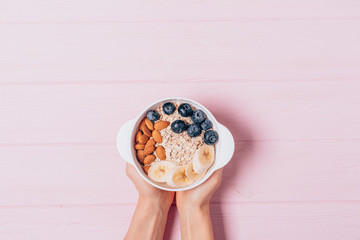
(177, 177)
(193, 176)
(203, 158)
(158, 170)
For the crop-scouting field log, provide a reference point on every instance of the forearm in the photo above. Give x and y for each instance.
(148, 222)
(195, 223)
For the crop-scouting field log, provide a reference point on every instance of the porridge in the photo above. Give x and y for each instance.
(175, 143)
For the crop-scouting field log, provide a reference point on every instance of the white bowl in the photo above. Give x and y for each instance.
(224, 148)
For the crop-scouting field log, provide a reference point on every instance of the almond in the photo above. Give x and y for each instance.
(149, 124)
(157, 136)
(149, 143)
(149, 150)
(139, 146)
(143, 139)
(149, 159)
(161, 125)
(145, 130)
(142, 123)
(138, 135)
(140, 156)
(160, 152)
(146, 169)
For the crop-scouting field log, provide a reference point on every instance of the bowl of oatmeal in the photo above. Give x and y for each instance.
(175, 144)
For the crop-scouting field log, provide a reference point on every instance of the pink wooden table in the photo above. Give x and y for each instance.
(284, 76)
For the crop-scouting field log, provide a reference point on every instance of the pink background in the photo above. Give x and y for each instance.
(283, 76)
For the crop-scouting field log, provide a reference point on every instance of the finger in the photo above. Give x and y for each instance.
(129, 169)
(219, 172)
(131, 172)
(216, 177)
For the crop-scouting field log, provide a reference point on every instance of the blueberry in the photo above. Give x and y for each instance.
(185, 110)
(193, 130)
(207, 124)
(169, 108)
(152, 115)
(178, 126)
(198, 116)
(210, 137)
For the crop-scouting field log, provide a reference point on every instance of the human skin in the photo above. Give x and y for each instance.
(193, 207)
(151, 212)
(152, 209)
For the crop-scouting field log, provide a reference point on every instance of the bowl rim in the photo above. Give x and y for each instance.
(216, 126)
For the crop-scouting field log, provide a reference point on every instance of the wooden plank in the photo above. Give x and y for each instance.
(260, 171)
(180, 51)
(35, 114)
(142, 10)
(332, 221)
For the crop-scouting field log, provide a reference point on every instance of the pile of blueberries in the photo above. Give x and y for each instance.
(200, 122)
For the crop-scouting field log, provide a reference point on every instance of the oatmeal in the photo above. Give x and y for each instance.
(176, 144)
(179, 147)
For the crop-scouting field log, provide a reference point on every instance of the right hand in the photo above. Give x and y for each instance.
(147, 192)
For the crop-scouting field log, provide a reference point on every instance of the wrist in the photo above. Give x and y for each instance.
(149, 220)
(154, 205)
(188, 209)
(190, 205)
(195, 222)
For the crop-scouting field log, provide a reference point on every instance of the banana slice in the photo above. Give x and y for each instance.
(203, 158)
(193, 176)
(159, 170)
(177, 177)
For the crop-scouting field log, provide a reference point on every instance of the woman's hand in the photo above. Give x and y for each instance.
(150, 216)
(151, 212)
(148, 192)
(193, 207)
(201, 195)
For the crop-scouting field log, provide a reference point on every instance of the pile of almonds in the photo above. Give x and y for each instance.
(148, 140)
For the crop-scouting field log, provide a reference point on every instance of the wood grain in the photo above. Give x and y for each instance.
(177, 52)
(245, 221)
(284, 77)
(43, 114)
(261, 171)
(15, 11)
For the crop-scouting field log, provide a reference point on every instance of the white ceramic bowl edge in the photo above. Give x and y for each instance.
(224, 148)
